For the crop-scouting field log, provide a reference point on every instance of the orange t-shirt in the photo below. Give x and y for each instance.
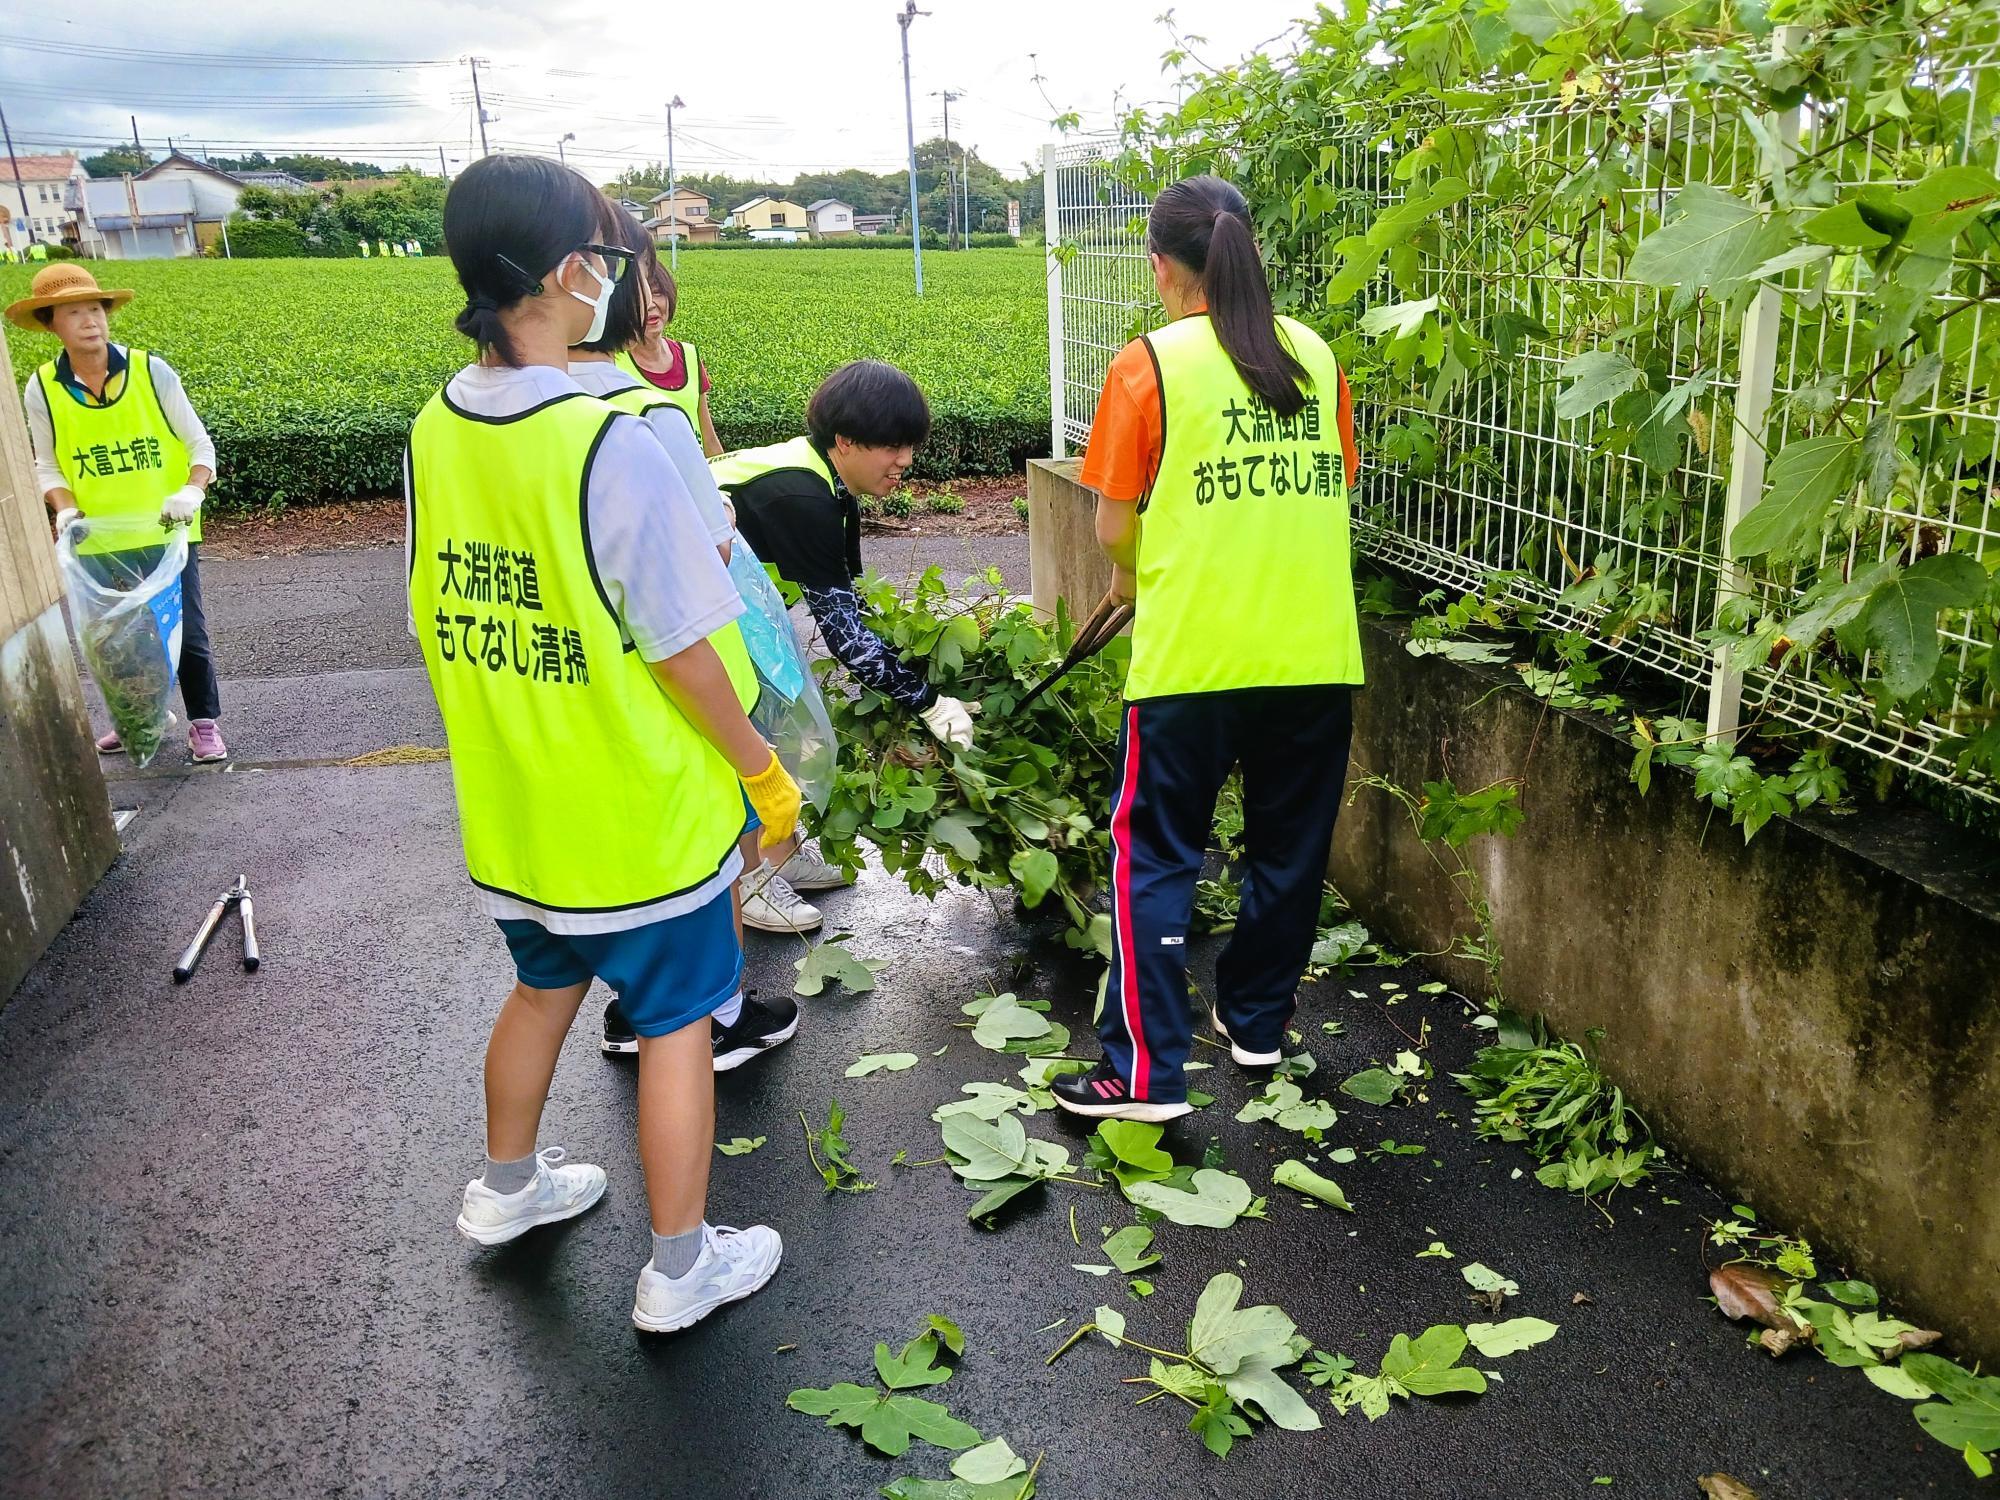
(1126, 436)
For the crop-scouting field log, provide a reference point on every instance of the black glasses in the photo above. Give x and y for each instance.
(618, 260)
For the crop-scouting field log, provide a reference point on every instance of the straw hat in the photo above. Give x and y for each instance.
(57, 286)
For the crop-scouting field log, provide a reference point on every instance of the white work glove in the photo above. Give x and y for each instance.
(65, 517)
(951, 721)
(179, 508)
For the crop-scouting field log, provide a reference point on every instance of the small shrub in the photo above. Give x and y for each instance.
(946, 502)
(898, 504)
(1021, 506)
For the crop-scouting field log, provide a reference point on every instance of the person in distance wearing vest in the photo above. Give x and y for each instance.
(115, 435)
(592, 367)
(1221, 453)
(671, 366)
(600, 755)
(795, 505)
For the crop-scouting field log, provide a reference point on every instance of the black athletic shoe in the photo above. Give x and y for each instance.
(762, 1026)
(1102, 1094)
(618, 1038)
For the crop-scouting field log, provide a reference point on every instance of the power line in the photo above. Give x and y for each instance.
(236, 60)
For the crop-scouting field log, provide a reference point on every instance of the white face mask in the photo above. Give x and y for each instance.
(600, 305)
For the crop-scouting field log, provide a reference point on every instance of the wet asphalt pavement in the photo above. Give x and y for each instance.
(230, 1267)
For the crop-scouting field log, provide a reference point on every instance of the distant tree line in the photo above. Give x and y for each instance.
(333, 222)
(119, 160)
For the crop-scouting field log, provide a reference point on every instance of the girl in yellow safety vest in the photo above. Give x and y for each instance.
(672, 366)
(1221, 453)
(564, 593)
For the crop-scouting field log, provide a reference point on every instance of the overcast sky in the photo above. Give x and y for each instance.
(772, 87)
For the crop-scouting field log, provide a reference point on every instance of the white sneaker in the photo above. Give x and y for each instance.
(1243, 1055)
(733, 1264)
(771, 905)
(558, 1192)
(806, 871)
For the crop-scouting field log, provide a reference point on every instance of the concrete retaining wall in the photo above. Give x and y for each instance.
(1813, 1018)
(1063, 560)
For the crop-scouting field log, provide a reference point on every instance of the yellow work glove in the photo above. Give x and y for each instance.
(777, 800)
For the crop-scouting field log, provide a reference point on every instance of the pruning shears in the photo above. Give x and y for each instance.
(238, 896)
(1099, 629)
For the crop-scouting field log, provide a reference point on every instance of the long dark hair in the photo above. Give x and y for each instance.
(1204, 224)
(507, 221)
(659, 278)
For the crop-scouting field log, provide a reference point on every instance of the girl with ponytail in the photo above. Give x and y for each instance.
(1221, 453)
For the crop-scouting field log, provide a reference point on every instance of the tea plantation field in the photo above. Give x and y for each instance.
(308, 372)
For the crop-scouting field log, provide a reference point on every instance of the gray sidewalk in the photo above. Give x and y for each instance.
(230, 1267)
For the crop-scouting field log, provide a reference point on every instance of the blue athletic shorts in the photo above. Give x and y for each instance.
(666, 975)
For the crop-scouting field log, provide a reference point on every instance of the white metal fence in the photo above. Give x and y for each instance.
(1502, 486)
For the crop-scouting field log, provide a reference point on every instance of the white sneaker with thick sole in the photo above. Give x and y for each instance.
(806, 871)
(559, 1191)
(1243, 1055)
(733, 1264)
(771, 905)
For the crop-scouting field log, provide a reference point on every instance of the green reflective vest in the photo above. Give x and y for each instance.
(688, 397)
(1245, 577)
(581, 787)
(118, 460)
(734, 470)
(641, 401)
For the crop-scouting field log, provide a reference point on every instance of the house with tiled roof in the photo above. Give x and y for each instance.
(44, 201)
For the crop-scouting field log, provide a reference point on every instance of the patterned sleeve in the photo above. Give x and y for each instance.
(872, 660)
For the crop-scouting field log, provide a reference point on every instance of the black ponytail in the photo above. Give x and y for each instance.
(1203, 223)
(508, 221)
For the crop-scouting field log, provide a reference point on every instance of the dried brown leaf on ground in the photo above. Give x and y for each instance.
(1778, 1340)
(1725, 1487)
(1580, 1299)
(1913, 1339)
(1746, 1290)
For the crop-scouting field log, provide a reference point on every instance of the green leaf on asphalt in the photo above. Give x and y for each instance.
(880, 1062)
(887, 1421)
(1897, 1381)
(1246, 1347)
(1215, 1199)
(742, 1145)
(1284, 1105)
(948, 1333)
(1428, 1365)
(986, 1149)
(829, 962)
(1301, 1178)
(1900, 619)
(1133, 1150)
(1968, 1415)
(1110, 1322)
(913, 1366)
(1482, 1278)
(912, 1487)
(1498, 1340)
(1853, 1293)
(1805, 482)
(1373, 1086)
(1435, 1250)
(1006, 1020)
(1092, 1270)
(988, 1101)
(1600, 376)
(990, 1462)
(1131, 1249)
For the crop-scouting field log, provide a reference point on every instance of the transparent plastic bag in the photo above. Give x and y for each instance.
(123, 576)
(790, 712)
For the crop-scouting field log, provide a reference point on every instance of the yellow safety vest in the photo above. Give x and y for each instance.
(734, 470)
(688, 397)
(581, 787)
(121, 459)
(641, 401)
(1245, 575)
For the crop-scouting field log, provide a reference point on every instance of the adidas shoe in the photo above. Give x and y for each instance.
(558, 1192)
(1243, 1055)
(1102, 1094)
(757, 1030)
(733, 1264)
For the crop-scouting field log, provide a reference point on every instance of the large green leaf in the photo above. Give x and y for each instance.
(914, 1366)
(987, 1149)
(1301, 1178)
(1497, 1340)
(1594, 378)
(1006, 1020)
(1806, 480)
(829, 962)
(1710, 242)
(1036, 870)
(991, 1461)
(1540, 20)
(1428, 1364)
(1901, 617)
(1214, 1201)
(1284, 1105)
(1223, 1334)
(1968, 1414)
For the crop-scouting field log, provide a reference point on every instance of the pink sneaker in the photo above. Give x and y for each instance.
(110, 744)
(205, 741)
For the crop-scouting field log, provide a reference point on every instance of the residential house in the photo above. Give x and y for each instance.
(875, 223)
(54, 212)
(830, 217)
(137, 220)
(277, 182)
(216, 192)
(767, 213)
(685, 218)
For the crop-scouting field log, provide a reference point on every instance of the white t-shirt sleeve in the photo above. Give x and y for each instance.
(181, 416)
(652, 553)
(42, 436)
(671, 427)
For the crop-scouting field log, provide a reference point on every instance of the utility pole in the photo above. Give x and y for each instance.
(443, 171)
(965, 177)
(561, 155)
(19, 186)
(908, 14)
(673, 217)
(138, 149)
(950, 189)
(478, 105)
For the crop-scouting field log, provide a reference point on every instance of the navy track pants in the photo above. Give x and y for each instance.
(1173, 756)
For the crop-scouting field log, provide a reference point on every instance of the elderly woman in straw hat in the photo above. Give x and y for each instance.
(114, 435)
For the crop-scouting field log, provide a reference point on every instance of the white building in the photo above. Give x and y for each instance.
(829, 216)
(138, 220)
(54, 213)
(216, 192)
